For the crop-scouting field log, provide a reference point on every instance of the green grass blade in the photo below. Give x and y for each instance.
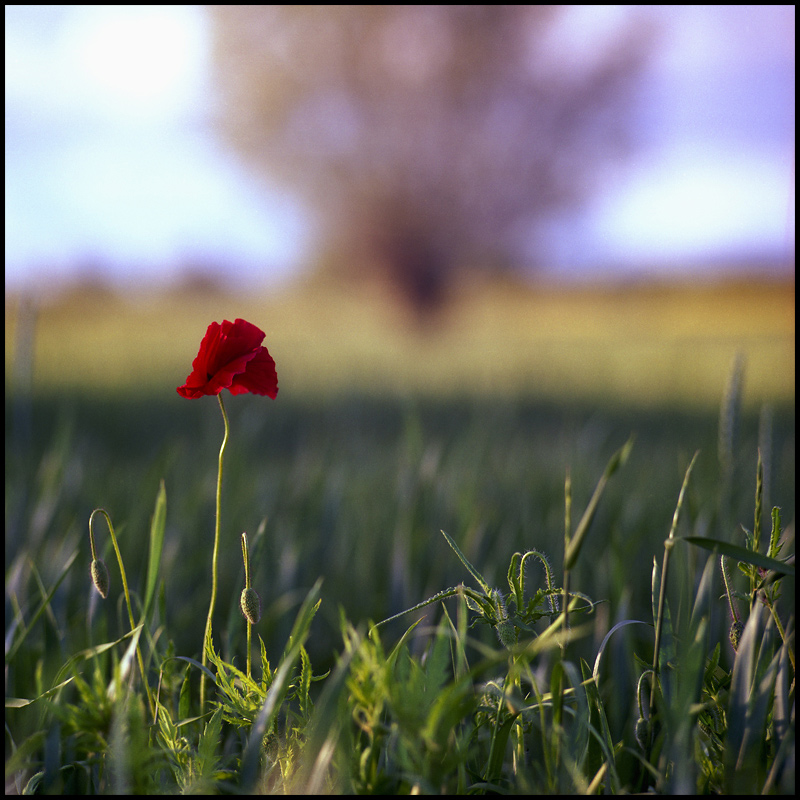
(655, 588)
(208, 673)
(157, 527)
(603, 735)
(326, 726)
(304, 618)
(601, 649)
(742, 680)
(21, 702)
(740, 553)
(573, 549)
(783, 709)
(497, 754)
(577, 739)
(39, 611)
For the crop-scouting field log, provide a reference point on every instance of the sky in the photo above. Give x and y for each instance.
(113, 169)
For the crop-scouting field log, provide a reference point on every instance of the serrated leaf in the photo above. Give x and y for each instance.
(465, 561)
(443, 595)
(207, 746)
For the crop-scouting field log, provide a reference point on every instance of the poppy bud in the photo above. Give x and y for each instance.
(506, 633)
(251, 605)
(735, 634)
(100, 577)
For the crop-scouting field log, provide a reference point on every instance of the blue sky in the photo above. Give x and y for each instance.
(112, 165)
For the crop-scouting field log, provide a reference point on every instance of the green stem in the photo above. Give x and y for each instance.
(246, 559)
(728, 592)
(567, 528)
(124, 587)
(757, 522)
(207, 632)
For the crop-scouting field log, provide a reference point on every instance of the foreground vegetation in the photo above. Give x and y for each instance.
(586, 611)
(489, 687)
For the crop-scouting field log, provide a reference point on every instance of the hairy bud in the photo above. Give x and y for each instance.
(100, 577)
(506, 633)
(251, 605)
(735, 634)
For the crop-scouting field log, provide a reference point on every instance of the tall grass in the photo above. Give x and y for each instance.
(489, 688)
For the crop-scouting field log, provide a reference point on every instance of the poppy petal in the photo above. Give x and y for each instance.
(259, 377)
(224, 362)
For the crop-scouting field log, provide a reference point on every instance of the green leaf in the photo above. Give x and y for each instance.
(266, 669)
(21, 702)
(91, 652)
(578, 736)
(304, 686)
(497, 754)
(443, 595)
(751, 694)
(209, 674)
(126, 663)
(775, 535)
(207, 746)
(740, 553)
(603, 735)
(465, 561)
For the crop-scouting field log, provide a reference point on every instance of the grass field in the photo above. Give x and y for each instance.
(381, 437)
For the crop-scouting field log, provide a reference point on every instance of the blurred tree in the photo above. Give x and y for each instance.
(427, 138)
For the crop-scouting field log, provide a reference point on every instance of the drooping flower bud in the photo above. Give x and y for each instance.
(100, 577)
(251, 605)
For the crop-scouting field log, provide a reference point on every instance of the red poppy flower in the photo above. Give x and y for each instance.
(231, 357)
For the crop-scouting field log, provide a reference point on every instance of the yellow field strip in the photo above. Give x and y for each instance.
(643, 344)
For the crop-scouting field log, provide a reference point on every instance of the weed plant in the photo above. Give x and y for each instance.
(596, 614)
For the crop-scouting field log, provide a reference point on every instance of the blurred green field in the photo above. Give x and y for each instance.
(356, 489)
(638, 346)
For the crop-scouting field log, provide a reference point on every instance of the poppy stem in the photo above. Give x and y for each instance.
(206, 635)
(246, 559)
